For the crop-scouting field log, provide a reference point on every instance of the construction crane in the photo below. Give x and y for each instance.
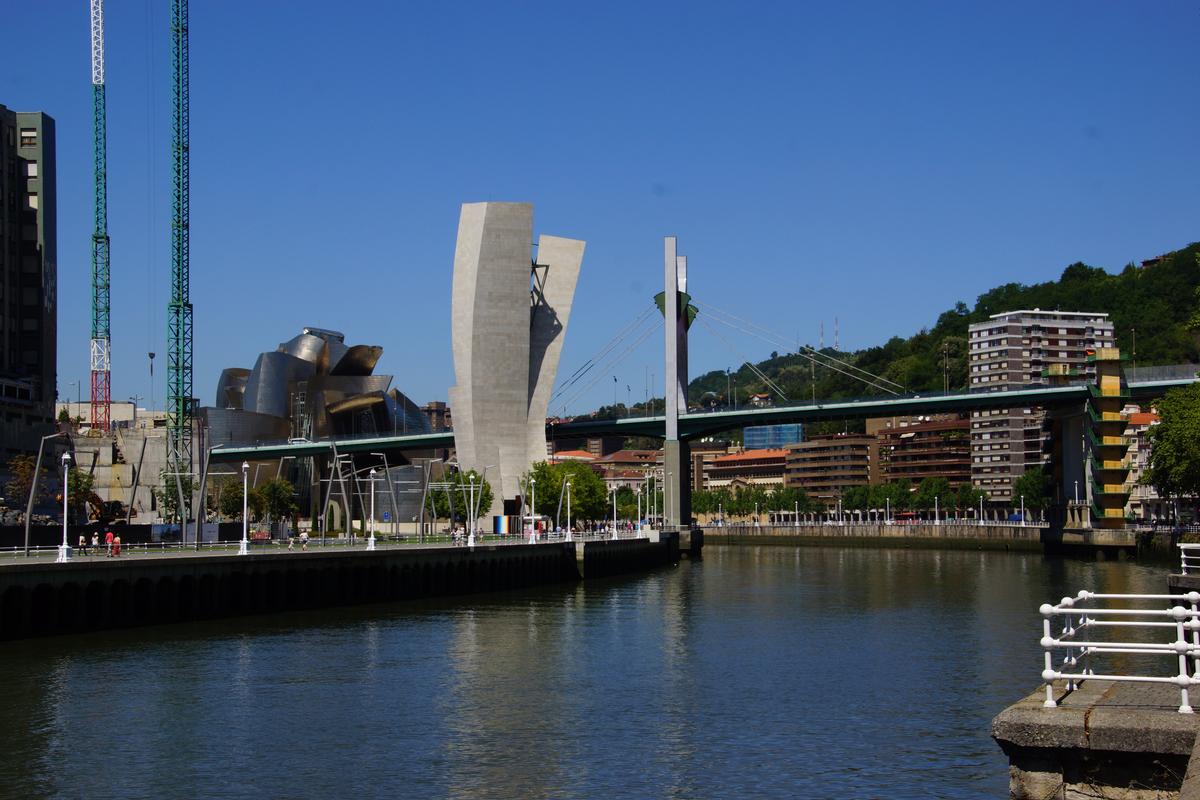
(101, 341)
(179, 308)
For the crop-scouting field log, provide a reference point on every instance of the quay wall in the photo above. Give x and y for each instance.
(42, 598)
(947, 535)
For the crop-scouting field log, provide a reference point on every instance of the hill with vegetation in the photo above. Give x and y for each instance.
(1159, 301)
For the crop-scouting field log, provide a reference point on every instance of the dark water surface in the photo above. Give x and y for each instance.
(760, 672)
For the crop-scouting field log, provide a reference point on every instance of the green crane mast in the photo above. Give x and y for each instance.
(179, 309)
(100, 349)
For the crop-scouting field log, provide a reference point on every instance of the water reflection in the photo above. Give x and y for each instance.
(797, 672)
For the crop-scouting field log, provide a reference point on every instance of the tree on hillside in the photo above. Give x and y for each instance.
(1175, 444)
(168, 492)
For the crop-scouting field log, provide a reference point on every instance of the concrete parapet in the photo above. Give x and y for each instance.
(42, 598)
(951, 535)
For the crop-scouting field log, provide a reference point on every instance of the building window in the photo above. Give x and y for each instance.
(31, 201)
(31, 169)
(28, 137)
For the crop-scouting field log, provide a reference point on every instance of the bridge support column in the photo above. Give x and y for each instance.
(677, 483)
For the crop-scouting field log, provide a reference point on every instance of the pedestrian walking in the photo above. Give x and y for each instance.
(95, 542)
(108, 543)
(116, 545)
(304, 540)
(83, 544)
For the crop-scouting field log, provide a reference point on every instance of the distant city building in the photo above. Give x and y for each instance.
(1010, 351)
(761, 437)
(438, 414)
(936, 449)
(572, 455)
(747, 468)
(28, 280)
(704, 452)
(598, 446)
(1144, 502)
(620, 465)
(826, 466)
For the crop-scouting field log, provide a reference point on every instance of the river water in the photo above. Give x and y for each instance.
(759, 672)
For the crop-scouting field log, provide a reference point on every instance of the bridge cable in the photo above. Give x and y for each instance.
(613, 363)
(859, 378)
(785, 342)
(616, 341)
(770, 383)
(804, 350)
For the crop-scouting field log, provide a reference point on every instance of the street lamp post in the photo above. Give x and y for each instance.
(371, 529)
(64, 552)
(756, 515)
(721, 513)
(245, 547)
(796, 515)
(937, 518)
(981, 509)
(532, 511)
(1076, 492)
(614, 497)
(1022, 511)
(568, 511)
(639, 510)
(37, 471)
(471, 512)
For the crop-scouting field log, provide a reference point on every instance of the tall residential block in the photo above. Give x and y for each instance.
(28, 280)
(1013, 350)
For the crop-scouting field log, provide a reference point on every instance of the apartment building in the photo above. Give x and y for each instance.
(1009, 351)
(825, 466)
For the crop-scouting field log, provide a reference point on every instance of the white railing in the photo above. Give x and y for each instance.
(316, 543)
(1077, 651)
(1189, 556)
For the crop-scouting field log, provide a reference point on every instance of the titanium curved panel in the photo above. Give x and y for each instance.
(231, 387)
(327, 390)
(305, 347)
(268, 389)
(357, 360)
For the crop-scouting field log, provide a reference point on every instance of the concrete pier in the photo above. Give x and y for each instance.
(1109, 740)
(42, 598)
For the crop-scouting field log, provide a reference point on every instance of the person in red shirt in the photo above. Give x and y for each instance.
(108, 542)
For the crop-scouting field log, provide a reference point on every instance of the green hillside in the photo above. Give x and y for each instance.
(1157, 301)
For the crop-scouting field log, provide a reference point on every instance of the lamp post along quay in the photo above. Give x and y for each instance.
(471, 513)
(244, 549)
(568, 511)
(371, 530)
(64, 552)
(532, 512)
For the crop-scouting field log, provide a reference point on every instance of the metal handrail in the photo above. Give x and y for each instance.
(1189, 556)
(1080, 614)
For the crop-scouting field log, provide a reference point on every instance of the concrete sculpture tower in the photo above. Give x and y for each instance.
(509, 315)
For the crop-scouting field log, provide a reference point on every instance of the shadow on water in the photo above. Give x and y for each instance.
(789, 672)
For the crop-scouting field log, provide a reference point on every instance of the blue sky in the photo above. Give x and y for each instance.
(873, 162)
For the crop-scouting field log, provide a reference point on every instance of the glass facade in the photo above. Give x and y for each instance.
(762, 437)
